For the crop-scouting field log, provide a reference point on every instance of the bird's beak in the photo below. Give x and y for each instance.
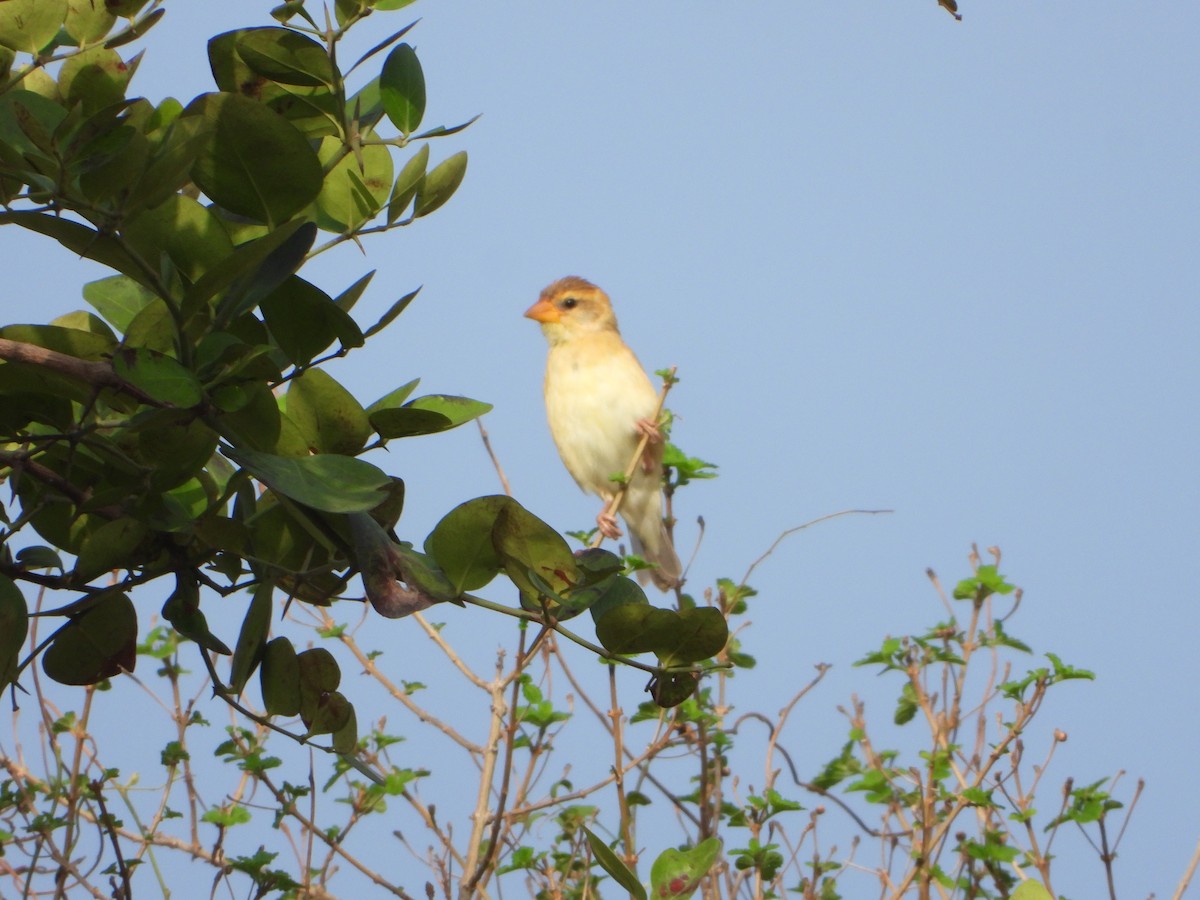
(543, 311)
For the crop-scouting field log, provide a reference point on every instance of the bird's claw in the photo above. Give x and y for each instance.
(649, 428)
(607, 524)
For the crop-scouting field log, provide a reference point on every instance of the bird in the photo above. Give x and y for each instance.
(599, 404)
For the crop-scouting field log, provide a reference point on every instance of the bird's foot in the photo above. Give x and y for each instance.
(607, 524)
(650, 429)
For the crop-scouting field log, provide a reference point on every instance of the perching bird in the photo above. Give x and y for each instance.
(599, 403)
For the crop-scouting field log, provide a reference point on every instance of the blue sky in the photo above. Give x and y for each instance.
(944, 268)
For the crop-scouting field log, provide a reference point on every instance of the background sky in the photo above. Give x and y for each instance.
(902, 262)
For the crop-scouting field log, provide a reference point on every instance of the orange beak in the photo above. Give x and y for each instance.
(543, 311)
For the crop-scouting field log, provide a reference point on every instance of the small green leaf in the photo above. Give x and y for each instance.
(533, 553)
(14, 626)
(29, 25)
(182, 610)
(329, 482)
(327, 414)
(279, 678)
(425, 415)
(388, 317)
(462, 542)
(247, 654)
(613, 865)
(99, 643)
(676, 874)
(95, 78)
(117, 298)
(331, 713)
(161, 377)
(285, 56)
(356, 187)
(402, 89)
(87, 21)
(304, 321)
(677, 638)
(439, 185)
(1031, 890)
(407, 183)
(109, 547)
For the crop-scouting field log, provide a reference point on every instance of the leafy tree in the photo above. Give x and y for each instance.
(186, 432)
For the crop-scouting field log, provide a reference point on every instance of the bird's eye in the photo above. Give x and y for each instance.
(570, 303)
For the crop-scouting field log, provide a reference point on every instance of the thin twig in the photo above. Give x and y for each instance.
(487, 445)
(786, 534)
(1187, 875)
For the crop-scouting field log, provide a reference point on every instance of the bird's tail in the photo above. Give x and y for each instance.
(650, 540)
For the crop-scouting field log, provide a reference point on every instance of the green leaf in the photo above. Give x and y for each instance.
(182, 610)
(27, 122)
(14, 626)
(422, 573)
(425, 415)
(407, 183)
(111, 546)
(99, 643)
(1031, 890)
(252, 414)
(393, 311)
(285, 56)
(327, 414)
(248, 652)
(117, 298)
(906, 706)
(29, 25)
(159, 376)
(439, 185)
(530, 549)
(608, 593)
(345, 738)
(331, 713)
(304, 320)
(614, 866)
(319, 675)
(253, 161)
(253, 270)
(357, 186)
(95, 78)
(182, 230)
(135, 30)
(394, 398)
(87, 21)
(346, 299)
(462, 542)
(678, 638)
(279, 678)
(677, 873)
(402, 89)
(673, 688)
(275, 273)
(329, 482)
(85, 321)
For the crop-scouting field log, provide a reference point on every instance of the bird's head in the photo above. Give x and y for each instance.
(570, 307)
